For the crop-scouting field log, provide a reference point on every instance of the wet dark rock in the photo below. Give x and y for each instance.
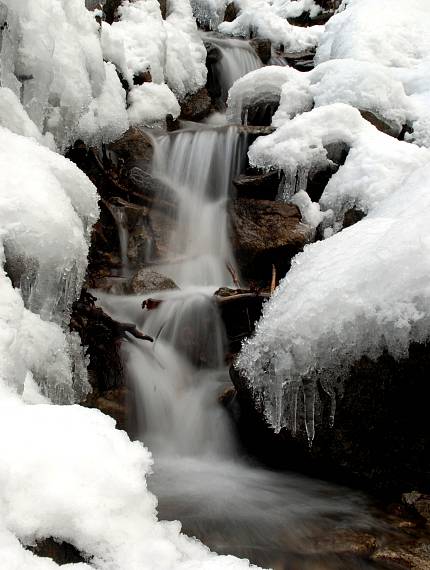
(148, 280)
(163, 8)
(230, 13)
(414, 557)
(113, 403)
(142, 77)
(110, 10)
(352, 216)
(102, 336)
(258, 186)
(343, 542)
(380, 438)
(60, 552)
(239, 310)
(381, 124)
(261, 114)
(302, 61)
(133, 147)
(420, 502)
(265, 234)
(197, 106)
(263, 48)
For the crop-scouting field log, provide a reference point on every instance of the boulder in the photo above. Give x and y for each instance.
(380, 438)
(196, 106)
(265, 234)
(133, 147)
(231, 12)
(258, 186)
(148, 281)
(381, 124)
(263, 48)
(60, 552)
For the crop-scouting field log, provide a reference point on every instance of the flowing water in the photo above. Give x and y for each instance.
(201, 475)
(236, 58)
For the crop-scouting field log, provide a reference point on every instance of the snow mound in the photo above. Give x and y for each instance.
(60, 73)
(260, 18)
(354, 293)
(170, 50)
(397, 39)
(67, 473)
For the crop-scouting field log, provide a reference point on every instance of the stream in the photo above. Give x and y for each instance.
(202, 476)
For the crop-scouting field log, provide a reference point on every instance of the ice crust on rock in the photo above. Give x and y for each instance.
(263, 19)
(352, 294)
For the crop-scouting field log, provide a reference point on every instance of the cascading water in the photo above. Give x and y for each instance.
(235, 59)
(199, 476)
(198, 165)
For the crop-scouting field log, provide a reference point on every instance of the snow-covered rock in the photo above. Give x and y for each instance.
(344, 297)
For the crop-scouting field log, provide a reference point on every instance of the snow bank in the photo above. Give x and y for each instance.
(355, 293)
(67, 473)
(261, 18)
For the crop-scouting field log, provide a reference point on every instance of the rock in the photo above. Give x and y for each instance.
(386, 453)
(149, 241)
(381, 124)
(259, 186)
(261, 114)
(264, 234)
(113, 403)
(230, 13)
(142, 77)
(133, 147)
(352, 216)
(163, 8)
(420, 503)
(263, 48)
(148, 281)
(342, 542)
(197, 106)
(110, 10)
(412, 558)
(239, 310)
(60, 552)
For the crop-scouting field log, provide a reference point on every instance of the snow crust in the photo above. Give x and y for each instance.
(263, 19)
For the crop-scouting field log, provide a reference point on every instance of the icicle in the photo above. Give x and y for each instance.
(309, 388)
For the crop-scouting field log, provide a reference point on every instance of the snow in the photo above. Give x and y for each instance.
(260, 18)
(58, 74)
(296, 8)
(352, 294)
(171, 50)
(150, 103)
(67, 473)
(397, 39)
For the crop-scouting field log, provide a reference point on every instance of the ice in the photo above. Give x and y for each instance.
(352, 294)
(260, 18)
(209, 13)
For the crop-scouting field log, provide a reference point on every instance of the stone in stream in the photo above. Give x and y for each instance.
(265, 234)
(258, 186)
(263, 48)
(197, 106)
(147, 281)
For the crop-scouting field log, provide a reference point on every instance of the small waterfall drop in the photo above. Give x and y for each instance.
(198, 165)
(235, 59)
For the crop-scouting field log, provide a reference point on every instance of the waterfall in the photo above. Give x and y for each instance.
(119, 214)
(199, 476)
(198, 165)
(235, 59)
